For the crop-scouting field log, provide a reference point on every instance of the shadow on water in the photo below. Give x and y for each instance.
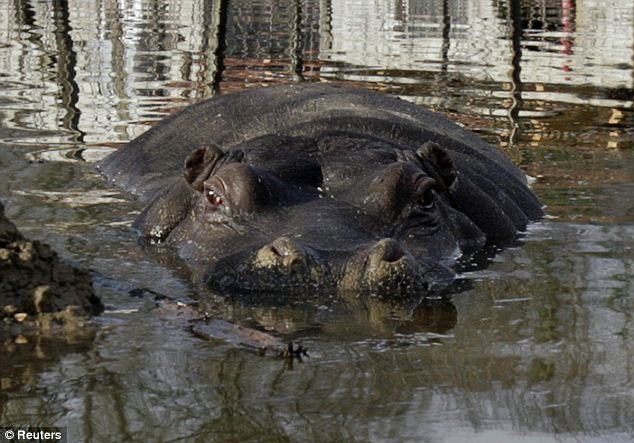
(533, 343)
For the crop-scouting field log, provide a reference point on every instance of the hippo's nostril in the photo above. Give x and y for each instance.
(282, 253)
(285, 247)
(387, 251)
(427, 199)
(275, 251)
(392, 255)
(385, 269)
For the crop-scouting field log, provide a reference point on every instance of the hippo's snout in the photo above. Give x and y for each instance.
(387, 268)
(387, 252)
(283, 253)
(284, 265)
(290, 264)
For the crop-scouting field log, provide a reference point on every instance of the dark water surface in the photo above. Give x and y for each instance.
(537, 346)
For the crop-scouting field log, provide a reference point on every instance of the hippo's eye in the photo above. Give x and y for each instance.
(427, 199)
(214, 198)
(424, 190)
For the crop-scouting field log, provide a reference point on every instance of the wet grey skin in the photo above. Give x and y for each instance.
(307, 188)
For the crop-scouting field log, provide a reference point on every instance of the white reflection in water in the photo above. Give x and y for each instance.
(70, 155)
(131, 60)
(413, 36)
(76, 199)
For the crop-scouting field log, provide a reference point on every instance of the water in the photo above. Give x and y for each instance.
(537, 346)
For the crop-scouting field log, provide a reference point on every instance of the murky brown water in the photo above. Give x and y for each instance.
(537, 347)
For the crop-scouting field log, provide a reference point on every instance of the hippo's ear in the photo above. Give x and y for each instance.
(438, 164)
(202, 162)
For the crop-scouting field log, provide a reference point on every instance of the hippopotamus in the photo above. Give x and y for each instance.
(307, 188)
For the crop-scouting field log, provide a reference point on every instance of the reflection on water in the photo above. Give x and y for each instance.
(536, 346)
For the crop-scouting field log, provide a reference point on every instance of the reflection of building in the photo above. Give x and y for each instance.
(105, 60)
(589, 45)
(101, 69)
(414, 35)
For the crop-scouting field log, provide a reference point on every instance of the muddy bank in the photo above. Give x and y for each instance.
(34, 281)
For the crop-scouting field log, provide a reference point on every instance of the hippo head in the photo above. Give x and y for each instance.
(375, 219)
(316, 188)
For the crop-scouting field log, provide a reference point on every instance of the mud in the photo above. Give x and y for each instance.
(34, 281)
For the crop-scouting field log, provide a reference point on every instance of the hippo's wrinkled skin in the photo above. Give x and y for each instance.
(300, 187)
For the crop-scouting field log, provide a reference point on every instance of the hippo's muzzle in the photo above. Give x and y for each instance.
(284, 265)
(384, 268)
